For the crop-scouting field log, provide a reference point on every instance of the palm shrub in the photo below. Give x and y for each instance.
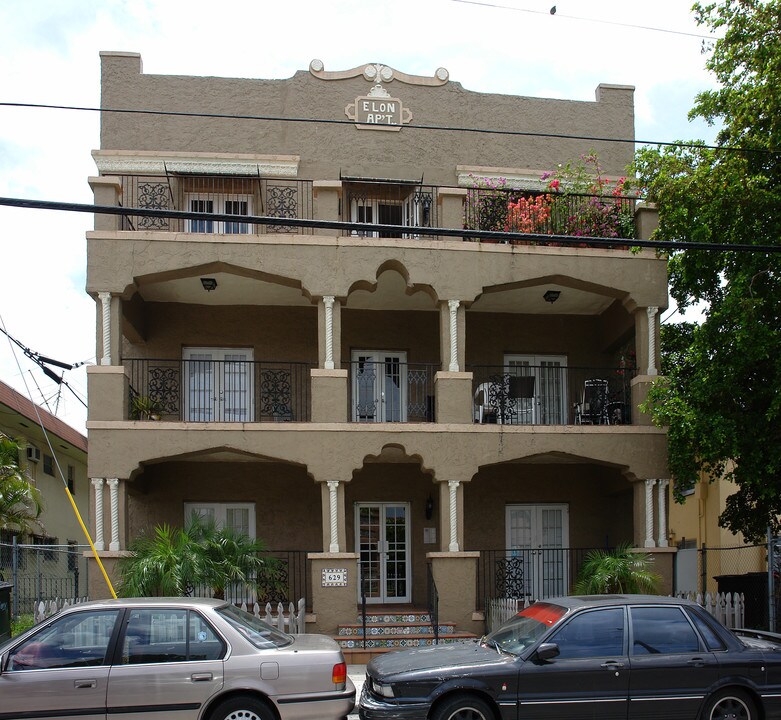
(617, 571)
(20, 500)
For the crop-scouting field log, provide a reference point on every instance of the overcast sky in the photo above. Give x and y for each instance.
(49, 54)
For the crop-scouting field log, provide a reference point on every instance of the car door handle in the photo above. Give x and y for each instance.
(85, 683)
(201, 677)
(697, 662)
(612, 664)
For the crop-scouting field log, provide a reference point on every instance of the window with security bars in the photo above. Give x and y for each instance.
(71, 479)
(48, 464)
(218, 205)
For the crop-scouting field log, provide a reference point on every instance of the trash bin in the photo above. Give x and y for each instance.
(754, 588)
(5, 610)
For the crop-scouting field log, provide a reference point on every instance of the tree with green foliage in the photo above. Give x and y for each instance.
(171, 561)
(617, 571)
(721, 398)
(20, 500)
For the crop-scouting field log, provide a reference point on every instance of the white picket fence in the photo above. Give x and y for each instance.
(728, 608)
(292, 620)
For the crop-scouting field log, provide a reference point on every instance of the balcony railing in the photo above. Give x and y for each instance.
(216, 194)
(533, 573)
(388, 204)
(551, 395)
(388, 390)
(220, 390)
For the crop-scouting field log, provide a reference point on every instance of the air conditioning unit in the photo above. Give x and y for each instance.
(33, 454)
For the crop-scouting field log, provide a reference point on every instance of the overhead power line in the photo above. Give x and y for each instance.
(553, 11)
(442, 128)
(401, 230)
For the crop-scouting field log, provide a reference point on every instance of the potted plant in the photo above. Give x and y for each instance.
(144, 407)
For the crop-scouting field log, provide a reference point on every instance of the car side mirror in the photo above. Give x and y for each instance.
(547, 651)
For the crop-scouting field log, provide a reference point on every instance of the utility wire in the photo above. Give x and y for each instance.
(553, 11)
(401, 230)
(444, 128)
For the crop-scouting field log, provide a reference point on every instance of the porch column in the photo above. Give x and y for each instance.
(328, 302)
(113, 485)
(97, 483)
(333, 506)
(652, 311)
(649, 513)
(453, 486)
(105, 303)
(329, 334)
(662, 510)
(453, 306)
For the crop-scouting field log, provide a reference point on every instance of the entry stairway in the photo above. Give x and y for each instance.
(390, 629)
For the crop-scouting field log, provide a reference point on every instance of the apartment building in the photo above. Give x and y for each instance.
(399, 411)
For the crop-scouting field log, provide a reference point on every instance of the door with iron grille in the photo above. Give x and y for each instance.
(219, 385)
(379, 386)
(548, 388)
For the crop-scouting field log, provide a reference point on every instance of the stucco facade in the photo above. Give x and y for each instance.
(357, 391)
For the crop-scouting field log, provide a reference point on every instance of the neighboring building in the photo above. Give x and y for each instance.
(58, 570)
(370, 403)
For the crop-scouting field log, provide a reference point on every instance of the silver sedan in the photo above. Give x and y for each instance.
(170, 658)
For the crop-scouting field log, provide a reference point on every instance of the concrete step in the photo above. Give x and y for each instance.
(400, 641)
(385, 629)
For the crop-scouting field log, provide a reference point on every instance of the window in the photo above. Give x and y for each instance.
(662, 630)
(71, 479)
(239, 517)
(712, 640)
(76, 640)
(156, 635)
(599, 633)
(73, 555)
(48, 464)
(49, 553)
(220, 205)
(259, 633)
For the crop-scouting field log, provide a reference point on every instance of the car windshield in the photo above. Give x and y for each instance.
(526, 627)
(259, 633)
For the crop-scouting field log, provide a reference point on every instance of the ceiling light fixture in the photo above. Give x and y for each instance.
(551, 296)
(209, 284)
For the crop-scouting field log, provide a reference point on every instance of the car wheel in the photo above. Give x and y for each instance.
(241, 708)
(730, 705)
(464, 707)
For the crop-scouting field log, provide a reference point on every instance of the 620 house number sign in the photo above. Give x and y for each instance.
(334, 577)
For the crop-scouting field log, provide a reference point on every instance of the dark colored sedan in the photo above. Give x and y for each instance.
(611, 657)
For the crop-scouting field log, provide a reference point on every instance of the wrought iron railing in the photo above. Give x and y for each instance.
(579, 215)
(220, 390)
(391, 391)
(432, 595)
(390, 204)
(216, 194)
(550, 394)
(534, 573)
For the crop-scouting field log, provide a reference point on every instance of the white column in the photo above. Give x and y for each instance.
(97, 483)
(453, 305)
(113, 486)
(328, 301)
(105, 301)
(333, 490)
(649, 512)
(662, 510)
(651, 310)
(453, 485)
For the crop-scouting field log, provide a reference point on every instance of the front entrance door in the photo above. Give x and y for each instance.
(379, 386)
(537, 561)
(382, 543)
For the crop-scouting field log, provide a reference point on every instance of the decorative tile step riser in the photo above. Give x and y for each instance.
(402, 618)
(373, 630)
(374, 643)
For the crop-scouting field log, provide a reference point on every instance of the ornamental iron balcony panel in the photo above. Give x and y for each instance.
(551, 394)
(216, 194)
(219, 390)
(389, 204)
(388, 390)
(528, 573)
(578, 215)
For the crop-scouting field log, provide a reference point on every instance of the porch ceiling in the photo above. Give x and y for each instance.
(529, 300)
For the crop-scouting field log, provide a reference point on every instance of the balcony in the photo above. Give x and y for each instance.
(387, 389)
(552, 394)
(404, 203)
(209, 390)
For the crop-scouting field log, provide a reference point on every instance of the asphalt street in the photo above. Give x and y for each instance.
(357, 674)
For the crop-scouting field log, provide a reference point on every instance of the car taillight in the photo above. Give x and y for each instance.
(339, 674)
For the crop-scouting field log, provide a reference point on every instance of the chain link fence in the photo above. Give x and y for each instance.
(43, 573)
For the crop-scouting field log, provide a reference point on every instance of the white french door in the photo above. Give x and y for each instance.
(382, 536)
(549, 405)
(537, 561)
(379, 386)
(218, 385)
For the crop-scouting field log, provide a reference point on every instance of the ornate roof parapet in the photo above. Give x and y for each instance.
(378, 73)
